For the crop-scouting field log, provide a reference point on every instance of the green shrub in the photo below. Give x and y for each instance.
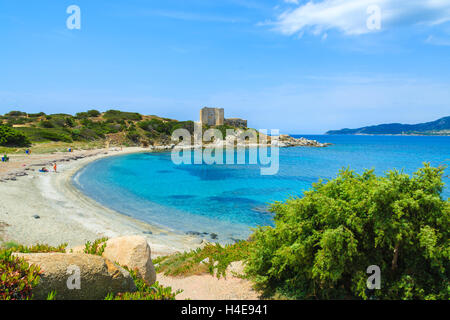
(134, 136)
(42, 134)
(145, 291)
(10, 137)
(55, 136)
(70, 122)
(93, 113)
(95, 248)
(323, 243)
(115, 115)
(36, 115)
(209, 259)
(38, 248)
(16, 114)
(47, 124)
(17, 278)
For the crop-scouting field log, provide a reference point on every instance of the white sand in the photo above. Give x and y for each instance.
(67, 215)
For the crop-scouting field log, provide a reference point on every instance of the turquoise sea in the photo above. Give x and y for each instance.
(230, 199)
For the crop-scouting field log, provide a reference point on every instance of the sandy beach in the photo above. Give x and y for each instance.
(38, 207)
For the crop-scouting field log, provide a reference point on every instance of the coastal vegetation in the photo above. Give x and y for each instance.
(18, 278)
(19, 129)
(212, 258)
(12, 138)
(323, 243)
(145, 291)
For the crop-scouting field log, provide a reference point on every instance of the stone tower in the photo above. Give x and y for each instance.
(212, 116)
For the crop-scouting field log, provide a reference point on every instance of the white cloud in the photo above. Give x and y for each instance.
(350, 16)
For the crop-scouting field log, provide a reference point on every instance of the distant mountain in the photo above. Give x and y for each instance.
(438, 127)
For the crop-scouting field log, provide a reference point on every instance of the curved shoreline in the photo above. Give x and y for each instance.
(47, 208)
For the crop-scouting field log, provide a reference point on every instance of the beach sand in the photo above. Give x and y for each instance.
(38, 207)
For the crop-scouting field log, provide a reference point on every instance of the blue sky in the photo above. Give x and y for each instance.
(298, 66)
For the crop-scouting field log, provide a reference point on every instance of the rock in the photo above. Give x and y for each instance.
(77, 249)
(193, 233)
(98, 276)
(134, 253)
(236, 268)
(214, 236)
(205, 261)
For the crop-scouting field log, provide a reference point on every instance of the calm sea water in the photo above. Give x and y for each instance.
(229, 199)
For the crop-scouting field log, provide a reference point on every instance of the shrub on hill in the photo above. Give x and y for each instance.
(16, 114)
(10, 137)
(156, 127)
(88, 114)
(323, 243)
(116, 116)
(44, 134)
(36, 115)
(93, 113)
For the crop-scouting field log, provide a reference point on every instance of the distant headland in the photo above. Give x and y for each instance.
(439, 127)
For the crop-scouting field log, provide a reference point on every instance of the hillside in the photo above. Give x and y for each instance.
(438, 127)
(20, 129)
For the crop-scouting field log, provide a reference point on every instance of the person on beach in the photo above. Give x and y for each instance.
(54, 167)
(44, 170)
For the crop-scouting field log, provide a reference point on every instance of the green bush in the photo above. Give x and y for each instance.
(145, 291)
(38, 248)
(16, 114)
(93, 113)
(44, 134)
(115, 115)
(47, 124)
(17, 278)
(55, 136)
(323, 243)
(36, 115)
(95, 248)
(10, 137)
(194, 262)
(134, 136)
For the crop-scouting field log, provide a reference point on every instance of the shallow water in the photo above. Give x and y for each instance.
(228, 199)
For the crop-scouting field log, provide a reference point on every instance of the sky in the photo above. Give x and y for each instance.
(298, 66)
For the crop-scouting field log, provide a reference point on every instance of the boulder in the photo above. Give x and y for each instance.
(134, 253)
(59, 273)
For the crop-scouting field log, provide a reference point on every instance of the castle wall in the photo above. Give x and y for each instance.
(236, 122)
(212, 116)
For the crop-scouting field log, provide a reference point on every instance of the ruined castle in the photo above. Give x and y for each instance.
(216, 117)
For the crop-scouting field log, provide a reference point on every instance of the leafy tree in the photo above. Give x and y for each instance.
(12, 138)
(47, 124)
(323, 243)
(16, 114)
(93, 113)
